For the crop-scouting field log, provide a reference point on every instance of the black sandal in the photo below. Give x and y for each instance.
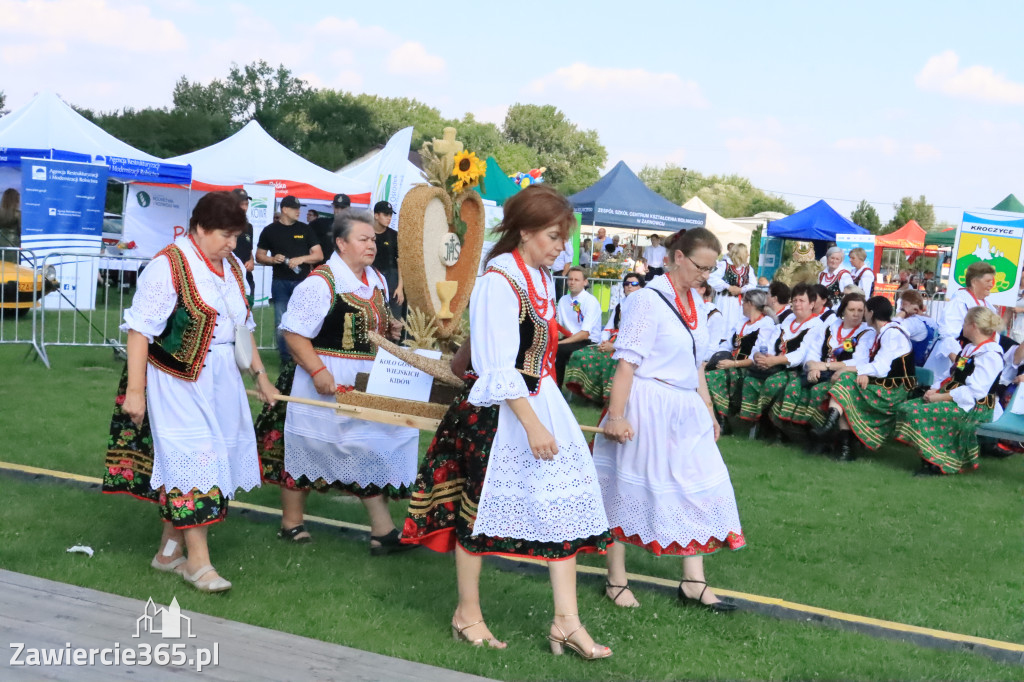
(290, 533)
(717, 607)
(389, 544)
(621, 589)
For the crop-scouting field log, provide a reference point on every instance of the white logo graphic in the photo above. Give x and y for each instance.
(170, 619)
(39, 173)
(53, 211)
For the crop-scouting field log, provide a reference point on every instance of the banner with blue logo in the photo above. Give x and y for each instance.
(62, 206)
(849, 242)
(770, 257)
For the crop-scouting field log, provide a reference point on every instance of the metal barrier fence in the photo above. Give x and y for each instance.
(21, 285)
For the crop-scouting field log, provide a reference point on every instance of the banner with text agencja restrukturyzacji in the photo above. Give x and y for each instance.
(62, 211)
(993, 237)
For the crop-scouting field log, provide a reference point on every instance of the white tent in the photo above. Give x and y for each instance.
(726, 230)
(46, 127)
(252, 157)
(366, 168)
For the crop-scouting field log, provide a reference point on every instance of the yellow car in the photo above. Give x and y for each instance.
(22, 287)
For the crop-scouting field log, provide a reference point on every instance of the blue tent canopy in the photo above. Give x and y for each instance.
(621, 199)
(817, 222)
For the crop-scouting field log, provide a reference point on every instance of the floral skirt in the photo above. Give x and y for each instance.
(129, 468)
(802, 405)
(760, 394)
(589, 374)
(447, 491)
(726, 388)
(942, 433)
(270, 445)
(871, 411)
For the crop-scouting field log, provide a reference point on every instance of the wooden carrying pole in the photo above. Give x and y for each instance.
(381, 416)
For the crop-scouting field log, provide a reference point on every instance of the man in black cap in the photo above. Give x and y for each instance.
(386, 260)
(243, 247)
(322, 226)
(295, 253)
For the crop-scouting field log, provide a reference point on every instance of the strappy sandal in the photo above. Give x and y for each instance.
(459, 635)
(290, 534)
(716, 607)
(558, 645)
(175, 566)
(217, 584)
(615, 598)
(389, 544)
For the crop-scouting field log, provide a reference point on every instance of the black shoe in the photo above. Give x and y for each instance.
(928, 469)
(831, 422)
(724, 424)
(846, 451)
(290, 534)
(717, 607)
(389, 544)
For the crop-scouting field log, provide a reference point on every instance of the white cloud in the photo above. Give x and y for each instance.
(129, 26)
(943, 73)
(495, 114)
(926, 152)
(758, 156)
(876, 145)
(626, 85)
(412, 59)
(768, 126)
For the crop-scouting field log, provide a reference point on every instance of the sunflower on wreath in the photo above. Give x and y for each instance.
(455, 174)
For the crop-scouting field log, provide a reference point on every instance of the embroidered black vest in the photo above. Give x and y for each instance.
(181, 349)
(344, 331)
(783, 346)
(736, 278)
(834, 294)
(743, 346)
(537, 342)
(785, 314)
(963, 368)
(901, 371)
(846, 351)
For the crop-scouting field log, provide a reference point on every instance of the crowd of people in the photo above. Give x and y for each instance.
(694, 346)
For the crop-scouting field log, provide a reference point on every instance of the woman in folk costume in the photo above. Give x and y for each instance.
(181, 434)
(732, 278)
(716, 321)
(845, 342)
(862, 275)
(978, 282)
(725, 383)
(665, 486)
(589, 371)
(863, 400)
(941, 424)
(508, 471)
(835, 277)
(779, 352)
(305, 447)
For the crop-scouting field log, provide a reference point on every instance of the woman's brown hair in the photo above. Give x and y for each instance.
(688, 241)
(847, 300)
(218, 211)
(535, 208)
(976, 270)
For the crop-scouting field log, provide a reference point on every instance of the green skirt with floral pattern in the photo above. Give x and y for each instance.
(942, 433)
(726, 388)
(270, 446)
(129, 468)
(589, 374)
(759, 395)
(802, 405)
(871, 411)
(448, 486)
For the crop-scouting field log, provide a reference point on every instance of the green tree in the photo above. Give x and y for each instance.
(3, 103)
(573, 157)
(336, 127)
(731, 196)
(866, 216)
(163, 132)
(908, 209)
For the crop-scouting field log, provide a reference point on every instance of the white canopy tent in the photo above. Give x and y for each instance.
(366, 168)
(726, 230)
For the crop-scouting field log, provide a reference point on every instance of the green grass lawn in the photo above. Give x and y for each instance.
(864, 538)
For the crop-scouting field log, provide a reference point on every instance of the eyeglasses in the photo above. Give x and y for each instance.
(632, 283)
(706, 269)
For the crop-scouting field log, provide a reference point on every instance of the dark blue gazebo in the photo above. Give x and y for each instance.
(621, 199)
(819, 222)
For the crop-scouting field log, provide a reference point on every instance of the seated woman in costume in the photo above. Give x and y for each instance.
(780, 352)
(820, 303)
(865, 405)
(181, 433)
(725, 382)
(978, 282)
(778, 297)
(842, 344)
(732, 278)
(325, 328)
(941, 424)
(589, 371)
(922, 329)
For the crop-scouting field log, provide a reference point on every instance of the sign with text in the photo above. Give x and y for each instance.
(769, 259)
(396, 378)
(992, 237)
(849, 242)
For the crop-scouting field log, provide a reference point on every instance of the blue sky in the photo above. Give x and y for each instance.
(872, 100)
